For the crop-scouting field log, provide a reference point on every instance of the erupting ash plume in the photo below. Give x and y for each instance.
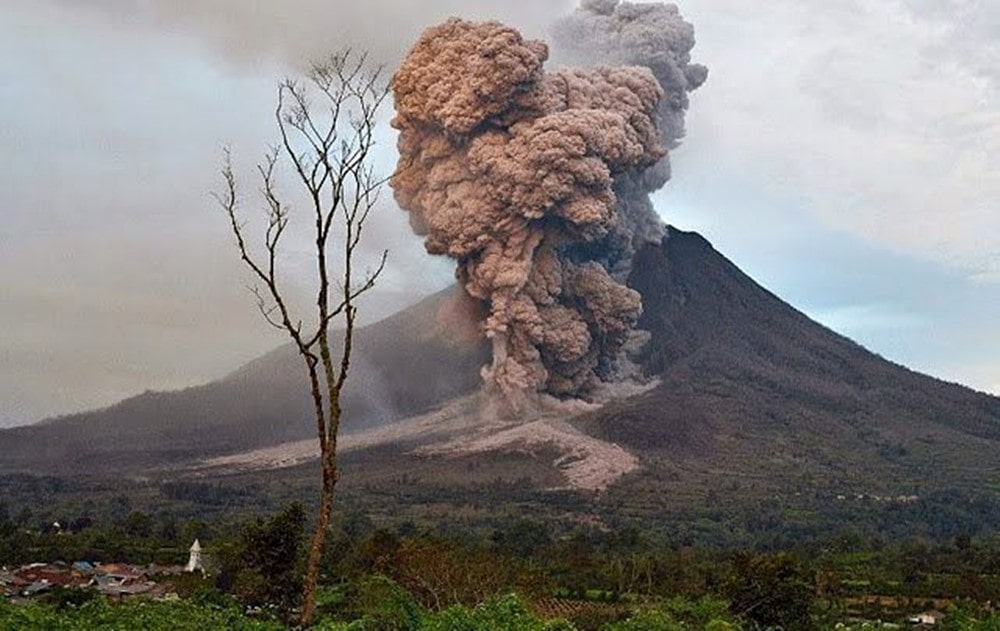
(537, 183)
(653, 36)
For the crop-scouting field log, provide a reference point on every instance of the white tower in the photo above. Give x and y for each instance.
(194, 561)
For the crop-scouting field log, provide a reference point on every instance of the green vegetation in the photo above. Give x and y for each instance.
(402, 549)
(409, 575)
(508, 613)
(142, 614)
(261, 567)
(395, 612)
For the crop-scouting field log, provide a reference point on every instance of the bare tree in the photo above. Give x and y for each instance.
(328, 144)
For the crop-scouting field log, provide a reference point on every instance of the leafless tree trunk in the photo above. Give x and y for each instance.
(328, 144)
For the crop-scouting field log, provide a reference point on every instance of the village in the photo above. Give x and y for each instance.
(116, 581)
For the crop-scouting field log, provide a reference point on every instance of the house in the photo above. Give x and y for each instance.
(120, 591)
(54, 575)
(41, 577)
(35, 588)
(117, 574)
(119, 580)
(114, 580)
(927, 619)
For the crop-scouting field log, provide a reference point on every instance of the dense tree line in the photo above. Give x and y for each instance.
(211, 494)
(619, 571)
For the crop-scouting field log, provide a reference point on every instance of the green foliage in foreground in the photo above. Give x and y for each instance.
(398, 613)
(98, 614)
(508, 613)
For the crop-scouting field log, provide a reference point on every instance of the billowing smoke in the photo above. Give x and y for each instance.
(653, 36)
(537, 185)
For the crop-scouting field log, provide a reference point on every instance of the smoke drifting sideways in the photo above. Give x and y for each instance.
(537, 183)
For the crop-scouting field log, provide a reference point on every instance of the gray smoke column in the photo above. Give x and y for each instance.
(515, 173)
(654, 36)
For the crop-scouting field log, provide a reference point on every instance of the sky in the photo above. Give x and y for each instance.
(845, 155)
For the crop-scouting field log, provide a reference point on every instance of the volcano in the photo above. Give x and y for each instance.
(744, 393)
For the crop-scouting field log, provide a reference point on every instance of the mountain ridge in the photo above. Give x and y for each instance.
(265, 401)
(746, 382)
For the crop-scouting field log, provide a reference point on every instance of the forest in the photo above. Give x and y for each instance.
(516, 574)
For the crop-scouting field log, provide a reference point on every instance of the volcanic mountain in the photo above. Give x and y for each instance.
(745, 393)
(402, 365)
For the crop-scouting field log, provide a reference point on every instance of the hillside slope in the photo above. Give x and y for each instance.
(754, 401)
(753, 389)
(752, 396)
(402, 365)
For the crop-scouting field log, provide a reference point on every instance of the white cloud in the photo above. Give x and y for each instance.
(864, 320)
(883, 118)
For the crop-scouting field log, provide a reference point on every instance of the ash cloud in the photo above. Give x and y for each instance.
(537, 182)
(299, 31)
(650, 35)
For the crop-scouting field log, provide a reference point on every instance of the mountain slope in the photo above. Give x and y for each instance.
(751, 387)
(402, 365)
(763, 427)
(753, 400)
(751, 393)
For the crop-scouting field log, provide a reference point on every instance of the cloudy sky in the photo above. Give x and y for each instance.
(846, 155)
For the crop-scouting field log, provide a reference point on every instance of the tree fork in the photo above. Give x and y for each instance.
(342, 187)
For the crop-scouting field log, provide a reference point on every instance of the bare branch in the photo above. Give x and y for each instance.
(329, 148)
(265, 310)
